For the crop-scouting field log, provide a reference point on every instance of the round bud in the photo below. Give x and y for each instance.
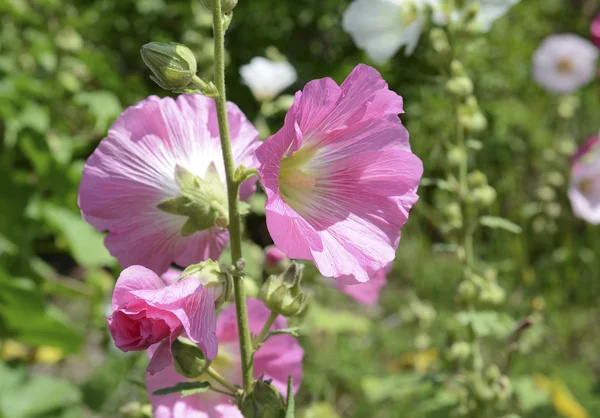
(173, 65)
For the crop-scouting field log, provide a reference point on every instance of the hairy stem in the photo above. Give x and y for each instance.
(265, 330)
(221, 380)
(235, 236)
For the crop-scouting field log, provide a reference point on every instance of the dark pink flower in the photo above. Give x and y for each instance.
(584, 189)
(274, 257)
(595, 31)
(146, 311)
(366, 293)
(340, 176)
(140, 165)
(280, 357)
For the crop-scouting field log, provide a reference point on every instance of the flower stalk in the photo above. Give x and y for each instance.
(235, 235)
(265, 330)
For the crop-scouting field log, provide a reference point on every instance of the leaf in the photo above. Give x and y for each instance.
(104, 105)
(398, 386)
(289, 403)
(496, 222)
(529, 395)
(184, 389)
(293, 331)
(85, 243)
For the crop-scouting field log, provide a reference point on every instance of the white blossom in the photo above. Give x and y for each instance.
(488, 11)
(563, 63)
(382, 27)
(267, 78)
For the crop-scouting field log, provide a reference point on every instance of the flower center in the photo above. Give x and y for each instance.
(408, 13)
(564, 66)
(297, 178)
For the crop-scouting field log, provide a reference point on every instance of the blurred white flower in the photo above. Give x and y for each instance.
(488, 11)
(267, 78)
(565, 62)
(381, 27)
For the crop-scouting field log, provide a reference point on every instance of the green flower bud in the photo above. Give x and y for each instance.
(484, 195)
(493, 373)
(466, 290)
(202, 200)
(456, 156)
(477, 178)
(173, 65)
(282, 293)
(460, 86)
(212, 276)
(503, 388)
(459, 351)
(439, 41)
(188, 358)
(262, 401)
(226, 5)
(546, 193)
(136, 410)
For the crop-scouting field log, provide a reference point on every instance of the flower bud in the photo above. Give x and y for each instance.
(282, 293)
(466, 290)
(135, 410)
(477, 178)
(226, 5)
(212, 277)
(459, 351)
(484, 195)
(275, 260)
(173, 65)
(456, 156)
(188, 358)
(460, 86)
(439, 41)
(262, 401)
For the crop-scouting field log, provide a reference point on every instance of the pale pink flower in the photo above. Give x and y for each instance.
(278, 358)
(595, 31)
(366, 293)
(146, 311)
(584, 190)
(133, 170)
(340, 177)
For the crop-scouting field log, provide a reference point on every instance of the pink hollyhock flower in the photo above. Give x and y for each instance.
(595, 31)
(584, 190)
(340, 177)
(366, 293)
(151, 151)
(146, 311)
(279, 357)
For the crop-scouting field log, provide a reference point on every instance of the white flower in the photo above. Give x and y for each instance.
(266, 78)
(381, 27)
(584, 190)
(489, 11)
(565, 62)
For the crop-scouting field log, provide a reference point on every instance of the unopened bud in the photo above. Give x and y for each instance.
(439, 41)
(456, 156)
(484, 195)
(173, 65)
(466, 290)
(282, 293)
(262, 401)
(188, 358)
(212, 277)
(275, 260)
(226, 5)
(477, 178)
(460, 86)
(459, 351)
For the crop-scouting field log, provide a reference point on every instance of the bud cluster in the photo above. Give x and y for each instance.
(283, 294)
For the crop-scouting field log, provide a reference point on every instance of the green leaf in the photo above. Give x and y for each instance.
(184, 389)
(257, 203)
(85, 243)
(496, 222)
(104, 105)
(378, 389)
(293, 331)
(289, 403)
(487, 323)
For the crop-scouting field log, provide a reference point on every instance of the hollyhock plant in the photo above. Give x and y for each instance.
(279, 357)
(267, 78)
(382, 27)
(584, 189)
(157, 182)
(340, 176)
(564, 63)
(146, 311)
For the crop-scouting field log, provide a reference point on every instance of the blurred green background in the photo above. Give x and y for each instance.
(69, 67)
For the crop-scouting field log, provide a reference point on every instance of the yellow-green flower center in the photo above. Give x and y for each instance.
(297, 178)
(564, 66)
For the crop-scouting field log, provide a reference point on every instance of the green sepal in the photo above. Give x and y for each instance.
(184, 389)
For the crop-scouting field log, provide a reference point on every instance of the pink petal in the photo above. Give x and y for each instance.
(132, 170)
(366, 293)
(132, 279)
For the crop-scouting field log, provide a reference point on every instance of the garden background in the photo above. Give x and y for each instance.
(68, 68)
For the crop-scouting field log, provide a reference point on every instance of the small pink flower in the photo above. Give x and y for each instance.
(340, 177)
(279, 357)
(133, 170)
(584, 189)
(273, 258)
(366, 293)
(595, 31)
(146, 311)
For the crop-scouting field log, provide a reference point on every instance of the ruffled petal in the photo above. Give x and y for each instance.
(132, 279)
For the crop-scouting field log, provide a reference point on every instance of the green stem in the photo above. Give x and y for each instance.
(235, 235)
(464, 193)
(220, 379)
(265, 330)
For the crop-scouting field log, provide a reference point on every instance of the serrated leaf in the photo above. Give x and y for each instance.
(496, 222)
(184, 389)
